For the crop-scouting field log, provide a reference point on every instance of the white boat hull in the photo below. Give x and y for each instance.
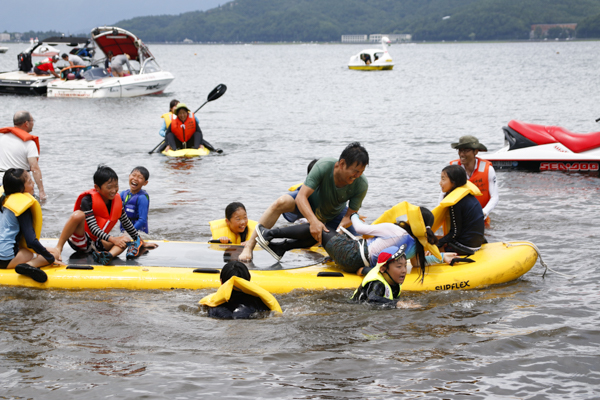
(19, 82)
(373, 59)
(129, 86)
(547, 157)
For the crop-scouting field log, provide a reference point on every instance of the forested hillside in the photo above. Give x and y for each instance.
(327, 20)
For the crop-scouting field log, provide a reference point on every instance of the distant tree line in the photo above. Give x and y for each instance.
(328, 20)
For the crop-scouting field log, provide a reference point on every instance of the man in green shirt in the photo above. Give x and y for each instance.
(323, 196)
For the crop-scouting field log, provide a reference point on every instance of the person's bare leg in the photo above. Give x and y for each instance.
(75, 224)
(283, 204)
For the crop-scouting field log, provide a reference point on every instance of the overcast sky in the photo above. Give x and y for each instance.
(81, 16)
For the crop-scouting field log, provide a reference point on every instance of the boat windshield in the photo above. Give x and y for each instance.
(150, 66)
(134, 67)
(95, 73)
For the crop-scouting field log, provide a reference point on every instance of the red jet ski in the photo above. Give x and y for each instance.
(534, 147)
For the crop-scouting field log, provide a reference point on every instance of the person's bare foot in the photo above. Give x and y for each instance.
(246, 254)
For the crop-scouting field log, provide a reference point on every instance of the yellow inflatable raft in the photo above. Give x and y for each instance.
(188, 153)
(189, 265)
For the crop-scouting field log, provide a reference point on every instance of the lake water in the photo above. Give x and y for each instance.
(285, 105)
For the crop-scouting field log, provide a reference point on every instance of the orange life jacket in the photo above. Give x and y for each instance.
(105, 220)
(21, 134)
(177, 127)
(480, 179)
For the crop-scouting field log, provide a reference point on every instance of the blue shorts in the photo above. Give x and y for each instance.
(331, 225)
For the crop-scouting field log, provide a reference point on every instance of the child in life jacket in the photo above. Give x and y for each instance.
(238, 298)
(467, 224)
(383, 284)
(183, 132)
(136, 200)
(20, 228)
(95, 213)
(236, 228)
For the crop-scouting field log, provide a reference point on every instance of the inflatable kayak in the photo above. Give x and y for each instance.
(190, 265)
(188, 153)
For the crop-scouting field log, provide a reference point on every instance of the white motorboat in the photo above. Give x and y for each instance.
(533, 147)
(23, 81)
(3, 50)
(143, 75)
(45, 50)
(373, 59)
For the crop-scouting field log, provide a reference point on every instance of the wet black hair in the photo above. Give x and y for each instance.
(64, 55)
(456, 175)
(233, 207)
(428, 219)
(142, 170)
(12, 182)
(355, 153)
(173, 103)
(311, 165)
(104, 174)
(234, 268)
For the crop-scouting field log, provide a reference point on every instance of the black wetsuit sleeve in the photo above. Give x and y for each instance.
(26, 229)
(455, 225)
(127, 225)
(221, 312)
(375, 292)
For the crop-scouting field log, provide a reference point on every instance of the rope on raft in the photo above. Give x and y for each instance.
(539, 254)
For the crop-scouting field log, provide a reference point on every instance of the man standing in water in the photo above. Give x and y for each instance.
(329, 185)
(20, 149)
(479, 171)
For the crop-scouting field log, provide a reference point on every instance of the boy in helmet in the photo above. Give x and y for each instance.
(383, 284)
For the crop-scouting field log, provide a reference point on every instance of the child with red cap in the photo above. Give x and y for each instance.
(383, 284)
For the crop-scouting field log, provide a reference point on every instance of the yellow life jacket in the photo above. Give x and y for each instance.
(295, 187)
(412, 215)
(441, 214)
(167, 118)
(219, 228)
(375, 275)
(18, 203)
(223, 294)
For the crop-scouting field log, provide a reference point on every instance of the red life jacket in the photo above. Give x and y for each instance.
(480, 179)
(45, 65)
(105, 220)
(177, 127)
(21, 134)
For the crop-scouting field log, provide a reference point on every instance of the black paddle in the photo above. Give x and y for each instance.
(213, 95)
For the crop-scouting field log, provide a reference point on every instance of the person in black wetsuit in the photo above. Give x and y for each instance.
(465, 236)
(240, 304)
(20, 214)
(383, 284)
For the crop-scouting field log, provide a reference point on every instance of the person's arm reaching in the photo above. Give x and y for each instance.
(316, 226)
